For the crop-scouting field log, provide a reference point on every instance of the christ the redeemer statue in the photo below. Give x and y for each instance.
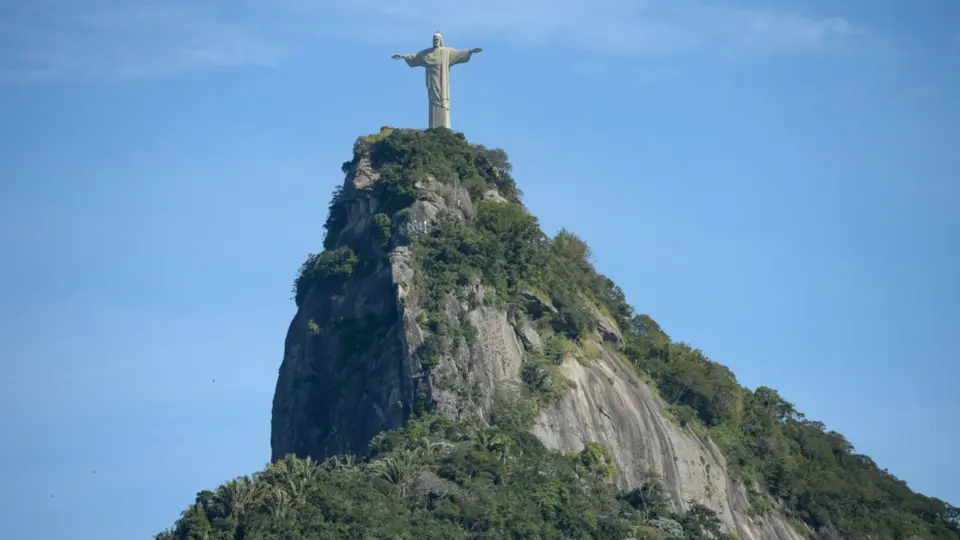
(437, 60)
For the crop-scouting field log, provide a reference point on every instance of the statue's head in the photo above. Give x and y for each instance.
(438, 39)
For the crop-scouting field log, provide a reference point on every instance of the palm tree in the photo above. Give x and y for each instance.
(477, 431)
(296, 488)
(238, 497)
(398, 469)
(291, 476)
(340, 463)
(281, 472)
(500, 445)
(278, 502)
(429, 449)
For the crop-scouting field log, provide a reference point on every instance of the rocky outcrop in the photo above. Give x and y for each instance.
(346, 373)
(351, 368)
(609, 404)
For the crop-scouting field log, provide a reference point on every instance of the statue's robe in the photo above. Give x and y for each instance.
(437, 62)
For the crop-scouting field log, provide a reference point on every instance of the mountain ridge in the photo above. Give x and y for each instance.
(439, 296)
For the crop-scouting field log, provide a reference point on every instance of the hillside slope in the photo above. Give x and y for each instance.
(437, 295)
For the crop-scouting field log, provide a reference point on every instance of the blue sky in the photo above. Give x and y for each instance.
(774, 182)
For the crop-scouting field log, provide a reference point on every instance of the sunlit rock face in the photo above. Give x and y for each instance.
(351, 369)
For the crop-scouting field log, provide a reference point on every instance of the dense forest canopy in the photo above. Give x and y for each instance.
(438, 479)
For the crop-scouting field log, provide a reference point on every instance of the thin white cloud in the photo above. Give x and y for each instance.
(50, 38)
(43, 38)
(782, 31)
(660, 27)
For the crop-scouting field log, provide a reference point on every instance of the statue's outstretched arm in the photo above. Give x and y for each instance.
(462, 57)
(412, 59)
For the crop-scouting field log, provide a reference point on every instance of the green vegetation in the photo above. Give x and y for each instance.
(441, 480)
(597, 460)
(330, 268)
(540, 372)
(814, 473)
(336, 219)
(383, 230)
(405, 157)
(498, 250)
(503, 246)
(431, 351)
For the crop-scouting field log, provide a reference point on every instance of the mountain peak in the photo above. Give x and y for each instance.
(490, 381)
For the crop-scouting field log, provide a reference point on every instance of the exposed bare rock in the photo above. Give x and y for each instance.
(609, 404)
(331, 398)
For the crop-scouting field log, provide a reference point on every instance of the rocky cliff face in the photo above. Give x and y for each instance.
(610, 405)
(356, 352)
